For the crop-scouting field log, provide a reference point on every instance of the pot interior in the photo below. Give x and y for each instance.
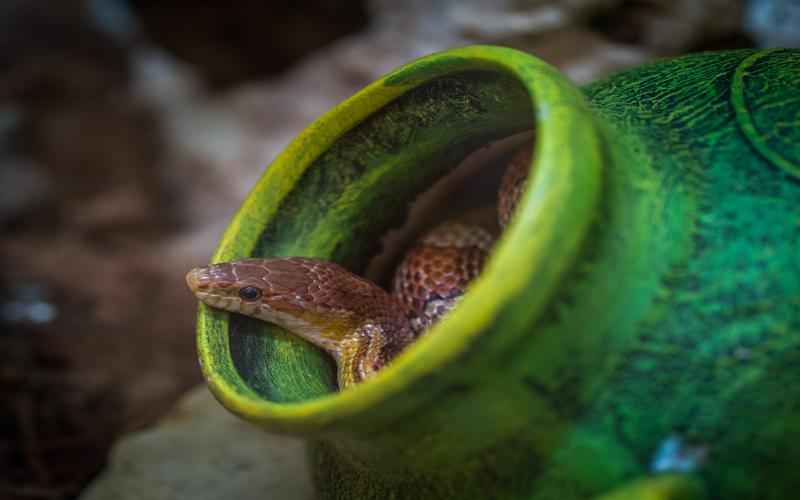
(359, 188)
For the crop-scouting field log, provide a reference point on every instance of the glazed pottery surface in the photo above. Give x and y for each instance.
(646, 294)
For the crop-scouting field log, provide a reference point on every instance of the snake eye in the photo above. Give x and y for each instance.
(249, 293)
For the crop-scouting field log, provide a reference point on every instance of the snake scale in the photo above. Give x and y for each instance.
(354, 320)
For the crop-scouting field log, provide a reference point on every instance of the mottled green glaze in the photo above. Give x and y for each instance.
(648, 287)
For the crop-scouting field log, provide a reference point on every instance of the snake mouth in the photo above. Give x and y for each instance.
(196, 279)
(350, 177)
(210, 284)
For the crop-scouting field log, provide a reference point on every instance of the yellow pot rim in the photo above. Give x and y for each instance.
(563, 125)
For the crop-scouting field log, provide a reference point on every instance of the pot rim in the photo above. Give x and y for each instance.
(563, 125)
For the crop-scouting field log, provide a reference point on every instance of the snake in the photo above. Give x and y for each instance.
(361, 325)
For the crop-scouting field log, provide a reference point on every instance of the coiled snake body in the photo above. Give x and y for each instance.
(361, 325)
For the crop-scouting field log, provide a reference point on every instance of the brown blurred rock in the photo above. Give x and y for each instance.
(102, 159)
(672, 26)
(247, 39)
(30, 187)
(52, 54)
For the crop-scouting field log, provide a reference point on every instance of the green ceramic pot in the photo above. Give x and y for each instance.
(646, 295)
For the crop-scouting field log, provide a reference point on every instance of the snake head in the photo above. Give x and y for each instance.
(255, 287)
(289, 292)
(232, 286)
(317, 300)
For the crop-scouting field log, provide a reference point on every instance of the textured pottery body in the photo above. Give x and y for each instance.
(647, 291)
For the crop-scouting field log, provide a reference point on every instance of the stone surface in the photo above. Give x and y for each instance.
(202, 452)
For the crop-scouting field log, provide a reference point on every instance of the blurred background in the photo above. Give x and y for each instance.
(131, 130)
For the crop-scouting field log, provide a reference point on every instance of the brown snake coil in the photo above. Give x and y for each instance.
(361, 325)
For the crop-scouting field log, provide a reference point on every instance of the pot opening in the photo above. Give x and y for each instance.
(348, 200)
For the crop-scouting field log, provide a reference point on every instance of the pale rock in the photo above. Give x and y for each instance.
(202, 452)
